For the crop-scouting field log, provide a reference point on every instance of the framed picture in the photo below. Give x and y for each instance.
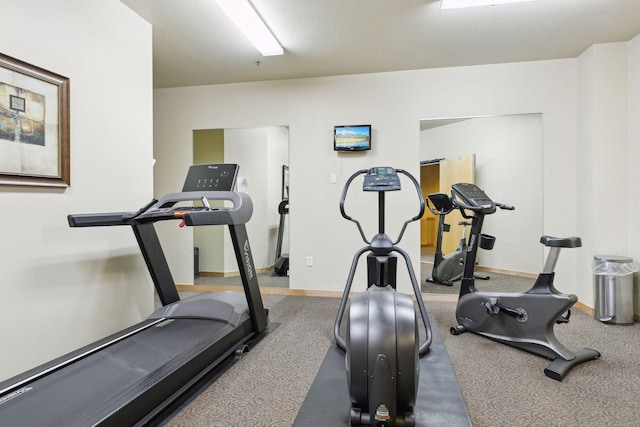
(34, 125)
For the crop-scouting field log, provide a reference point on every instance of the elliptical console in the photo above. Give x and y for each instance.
(382, 342)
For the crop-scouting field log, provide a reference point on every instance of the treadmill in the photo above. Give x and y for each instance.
(132, 377)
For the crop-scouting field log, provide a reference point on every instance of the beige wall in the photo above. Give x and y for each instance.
(93, 281)
(632, 152)
(63, 288)
(394, 104)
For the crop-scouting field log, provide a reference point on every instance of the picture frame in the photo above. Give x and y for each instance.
(34, 125)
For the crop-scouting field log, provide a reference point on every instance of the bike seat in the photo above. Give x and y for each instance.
(561, 242)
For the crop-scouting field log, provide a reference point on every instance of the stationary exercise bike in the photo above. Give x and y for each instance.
(447, 268)
(522, 319)
(382, 342)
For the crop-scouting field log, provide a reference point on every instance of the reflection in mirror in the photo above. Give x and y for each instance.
(506, 153)
(261, 154)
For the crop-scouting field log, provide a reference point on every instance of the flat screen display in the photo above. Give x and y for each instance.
(352, 138)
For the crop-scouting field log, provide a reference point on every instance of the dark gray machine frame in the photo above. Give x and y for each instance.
(382, 342)
(524, 320)
(131, 377)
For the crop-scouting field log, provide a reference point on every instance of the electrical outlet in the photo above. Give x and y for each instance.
(309, 261)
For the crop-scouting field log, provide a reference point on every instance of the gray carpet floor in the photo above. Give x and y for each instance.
(501, 385)
(497, 282)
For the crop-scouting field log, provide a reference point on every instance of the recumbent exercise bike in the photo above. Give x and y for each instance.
(382, 342)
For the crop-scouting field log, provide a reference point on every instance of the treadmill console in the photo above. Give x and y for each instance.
(203, 183)
(211, 177)
(472, 196)
(381, 179)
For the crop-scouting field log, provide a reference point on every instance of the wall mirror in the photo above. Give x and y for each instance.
(503, 156)
(263, 156)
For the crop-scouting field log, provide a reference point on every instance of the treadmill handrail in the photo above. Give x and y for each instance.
(239, 213)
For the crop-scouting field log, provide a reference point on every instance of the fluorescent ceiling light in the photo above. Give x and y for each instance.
(457, 4)
(247, 20)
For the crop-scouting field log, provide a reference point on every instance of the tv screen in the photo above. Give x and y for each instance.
(352, 138)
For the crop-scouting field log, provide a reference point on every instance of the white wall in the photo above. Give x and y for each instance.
(393, 103)
(509, 167)
(602, 205)
(63, 288)
(93, 281)
(633, 158)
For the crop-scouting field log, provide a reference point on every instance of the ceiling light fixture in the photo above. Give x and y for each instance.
(249, 23)
(457, 4)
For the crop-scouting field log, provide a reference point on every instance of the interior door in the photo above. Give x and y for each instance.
(429, 183)
(453, 171)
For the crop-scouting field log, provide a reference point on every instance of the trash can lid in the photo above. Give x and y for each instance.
(612, 258)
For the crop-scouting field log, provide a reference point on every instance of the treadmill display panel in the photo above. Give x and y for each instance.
(211, 177)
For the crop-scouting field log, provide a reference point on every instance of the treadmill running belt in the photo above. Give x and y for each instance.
(93, 388)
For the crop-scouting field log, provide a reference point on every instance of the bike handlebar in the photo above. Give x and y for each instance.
(486, 206)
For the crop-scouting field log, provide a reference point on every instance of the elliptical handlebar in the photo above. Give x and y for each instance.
(381, 180)
(404, 226)
(420, 198)
(344, 196)
(418, 192)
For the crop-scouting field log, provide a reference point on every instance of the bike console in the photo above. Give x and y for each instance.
(471, 197)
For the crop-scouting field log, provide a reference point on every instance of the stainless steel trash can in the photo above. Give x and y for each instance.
(613, 284)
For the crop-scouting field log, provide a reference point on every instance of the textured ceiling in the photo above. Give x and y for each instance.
(194, 43)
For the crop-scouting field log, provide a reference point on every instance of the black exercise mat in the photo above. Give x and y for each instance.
(439, 402)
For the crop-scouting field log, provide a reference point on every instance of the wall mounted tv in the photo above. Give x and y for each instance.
(352, 138)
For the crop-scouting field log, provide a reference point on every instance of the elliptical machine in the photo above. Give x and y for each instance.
(382, 342)
(447, 268)
(522, 319)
